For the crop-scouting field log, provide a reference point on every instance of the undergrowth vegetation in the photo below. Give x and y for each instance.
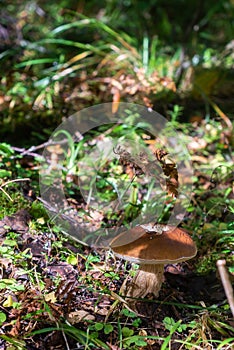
(56, 59)
(62, 286)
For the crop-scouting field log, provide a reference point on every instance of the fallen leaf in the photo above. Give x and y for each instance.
(50, 297)
(79, 315)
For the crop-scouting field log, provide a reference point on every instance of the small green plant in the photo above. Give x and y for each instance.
(169, 323)
(106, 328)
(90, 260)
(131, 341)
(175, 114)
(135, 319)
(112, 275)
(173, 327)
(9, 247)
(10, 284)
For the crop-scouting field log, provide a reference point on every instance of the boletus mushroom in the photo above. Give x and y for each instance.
(152, 246)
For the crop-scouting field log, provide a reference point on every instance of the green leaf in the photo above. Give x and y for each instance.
(4, 173)
(108, 328)
(127, 332)
(98, 326)
(140, 342)
(136, 322)
(3, 250)
(5, 149)
(169, 322)
(72, 259)
(2, 317)
(136, 339)
(10, 243)
(128, 313)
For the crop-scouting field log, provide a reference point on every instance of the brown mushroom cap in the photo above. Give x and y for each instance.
(171, 245)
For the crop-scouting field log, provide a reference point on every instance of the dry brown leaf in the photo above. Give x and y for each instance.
(170, 170)
(79, 315)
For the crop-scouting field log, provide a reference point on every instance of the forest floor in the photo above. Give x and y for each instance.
(56, 293)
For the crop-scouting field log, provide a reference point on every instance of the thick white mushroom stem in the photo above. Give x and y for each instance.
(148, 279)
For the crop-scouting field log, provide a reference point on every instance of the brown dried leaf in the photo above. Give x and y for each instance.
(127, 160)
(170, 170)
(17, 222)
(79, 315)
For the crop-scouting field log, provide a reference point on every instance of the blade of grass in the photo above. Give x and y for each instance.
(99, 25)
(73, 43)
(229, 341)
(168, 338)
(75, 333)
(35, 62)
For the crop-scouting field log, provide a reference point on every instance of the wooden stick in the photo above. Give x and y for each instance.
(221, 264)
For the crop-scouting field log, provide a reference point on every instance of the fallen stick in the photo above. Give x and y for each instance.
(221, 264)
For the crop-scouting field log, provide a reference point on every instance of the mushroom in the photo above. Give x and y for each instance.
(152, 246)
(55, 151)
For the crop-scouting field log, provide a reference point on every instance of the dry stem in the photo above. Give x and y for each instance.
(221, 264)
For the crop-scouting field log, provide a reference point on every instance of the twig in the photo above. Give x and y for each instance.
(6, 194)
(15, 180)
(221, 264)
(221, 114)
(65, 338)
(7, 183)
(32, 149)
(24, 152)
